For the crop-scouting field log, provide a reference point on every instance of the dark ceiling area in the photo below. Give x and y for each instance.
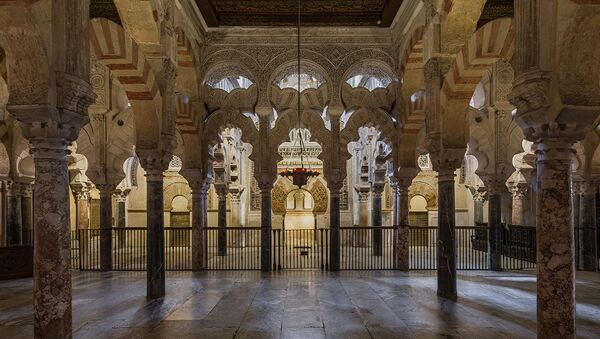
(285, 12)
(104, 9)
(495, 9)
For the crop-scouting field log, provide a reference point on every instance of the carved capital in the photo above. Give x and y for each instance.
(480, 194)
(447, 161)
(81, 191)
(154, 162)
(106, 189)
(519, 191)
(588, 187)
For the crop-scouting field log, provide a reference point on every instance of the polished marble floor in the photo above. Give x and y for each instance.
(300, 304)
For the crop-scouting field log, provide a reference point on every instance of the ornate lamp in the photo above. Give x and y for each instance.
(299, 175)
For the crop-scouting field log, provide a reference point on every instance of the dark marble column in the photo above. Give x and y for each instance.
(199, 195)
(266, 229)
(377, 222)
(446, 272)
(587, 231)
(555, 250)
(51, 263)
(403, 232)
(14, 221)
(27, 213)
(494, 229)
(3, 222)
(82, 206)
(106, 191)
(222, 222)
(334, 229)
(121, 199)
(155, 263)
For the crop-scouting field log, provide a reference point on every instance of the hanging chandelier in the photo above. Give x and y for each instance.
(299, 175)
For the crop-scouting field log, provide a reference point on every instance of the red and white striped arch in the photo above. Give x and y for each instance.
(124, 58)
(490, 43)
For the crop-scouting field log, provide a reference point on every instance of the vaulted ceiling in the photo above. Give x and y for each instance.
(313, 12)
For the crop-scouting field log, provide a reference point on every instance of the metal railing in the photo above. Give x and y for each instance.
(85, 249)
(301, 249)
(233, 248)
(367, 247)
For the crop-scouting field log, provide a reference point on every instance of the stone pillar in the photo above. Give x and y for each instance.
(360, 236)
(154, 165)
(377, 221)
(266, 228)
(587, 232)
(52, 248)
(82, 207)
(3, 222)
(519, 191)
(14, 221)
(106, 191)
(334, 228)
(479, 198)
(200, 190)
(555, 268)
(402, 240)
(576, 197)
(121, 222)
(222, 221)
(237, 236)
(495, 224)
(446, 163)
(27, 213)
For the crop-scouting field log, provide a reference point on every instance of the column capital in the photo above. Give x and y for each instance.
(494, 184)
(446, 162)
(154, 162)
(519, 190)
(81, 191)
(555, 148)
(13, 188)
(121, 194)
(222, 190)
(480, 193)
(106, 189)
(588, 187)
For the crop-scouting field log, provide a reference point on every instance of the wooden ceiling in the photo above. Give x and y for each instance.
(313, 12)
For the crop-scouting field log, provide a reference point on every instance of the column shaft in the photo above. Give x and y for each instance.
(27, 216)
(14, 216)
(478, 211)
(555, 250)
(377, 222)
(446, 277)
(155, 270)
(334, 236)
(266, 229)
(588, 231)
(222, 224)
(105, 227)
(403, 232)
(198, 223)
(52, 307)
(495, 231)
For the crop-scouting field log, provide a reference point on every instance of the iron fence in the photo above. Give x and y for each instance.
(233, 248)
(301, 249)
(367, 247)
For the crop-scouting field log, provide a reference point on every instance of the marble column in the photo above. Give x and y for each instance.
(82, 207)
(14, 221)
(588, 228)
(334, 228)
(479, 198)
(237, 236)
(52, 307)
(446, 272)
(3, 222)
(518, 203)
(495, 225)
(155, 261)
(555, 250)
(403, 232)
(222, 222)
(106, 192)
(266, 261)
(576, 197)
(360, 236)
(27, 213)
(199, 216)
(121, 199)
(377, 221)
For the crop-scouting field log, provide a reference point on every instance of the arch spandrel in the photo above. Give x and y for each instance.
(121, 54)
(26, 62)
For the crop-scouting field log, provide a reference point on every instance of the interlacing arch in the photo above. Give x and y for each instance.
(218, 121)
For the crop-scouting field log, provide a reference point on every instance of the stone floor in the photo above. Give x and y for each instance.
(300, 304)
